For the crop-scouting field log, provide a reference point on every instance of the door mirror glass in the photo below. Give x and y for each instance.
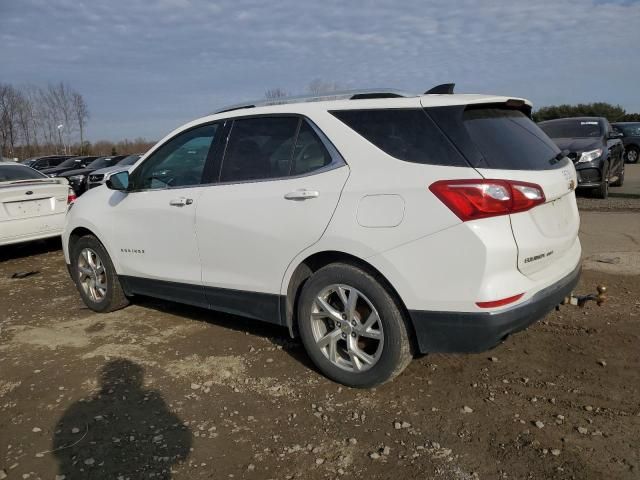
(118, 181)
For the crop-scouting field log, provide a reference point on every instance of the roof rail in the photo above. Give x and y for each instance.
(443, 89)
(339, 95)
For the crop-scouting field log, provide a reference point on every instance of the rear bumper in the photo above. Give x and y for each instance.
(480, 331)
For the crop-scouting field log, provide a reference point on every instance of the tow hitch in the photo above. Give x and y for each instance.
(580, 300)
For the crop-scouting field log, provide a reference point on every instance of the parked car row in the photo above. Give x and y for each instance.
(77, 169)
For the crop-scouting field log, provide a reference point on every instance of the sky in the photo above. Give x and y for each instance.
(146, 67)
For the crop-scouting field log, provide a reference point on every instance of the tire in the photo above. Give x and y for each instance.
(91, 268)
(631, 154)
(620, 180)
(603, 190)
(365, 356)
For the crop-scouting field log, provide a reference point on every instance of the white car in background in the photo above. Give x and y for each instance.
(32, 205)
(98, 177)
(374, 224)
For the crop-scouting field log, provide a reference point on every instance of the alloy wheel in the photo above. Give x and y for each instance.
(92, 275)
(347, 328)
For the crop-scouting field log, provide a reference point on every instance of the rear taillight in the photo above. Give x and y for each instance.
(71, 197)
(474, 199)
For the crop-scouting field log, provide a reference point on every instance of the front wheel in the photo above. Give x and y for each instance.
(603, 190)
(620, 180)
(95, 277)
(352, 328)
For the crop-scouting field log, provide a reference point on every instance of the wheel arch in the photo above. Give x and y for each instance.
(80, 231)
(315, 262)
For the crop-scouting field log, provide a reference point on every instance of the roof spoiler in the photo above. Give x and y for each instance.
(443, 89)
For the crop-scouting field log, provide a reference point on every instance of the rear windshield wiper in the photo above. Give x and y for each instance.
(559, 157)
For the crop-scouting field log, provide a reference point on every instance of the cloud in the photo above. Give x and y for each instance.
(145, 66)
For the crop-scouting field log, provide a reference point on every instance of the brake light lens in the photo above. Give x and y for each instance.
(474, 199)
(71, 197)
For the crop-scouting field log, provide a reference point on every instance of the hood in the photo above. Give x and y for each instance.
(578, 145)
(48, 171)
(77, 171)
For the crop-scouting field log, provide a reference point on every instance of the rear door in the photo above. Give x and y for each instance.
(279, 184)
(501, 142)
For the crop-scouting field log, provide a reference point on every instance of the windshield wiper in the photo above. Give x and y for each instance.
(559, 157)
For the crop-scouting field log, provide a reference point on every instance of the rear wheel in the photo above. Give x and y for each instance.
(351, 327)
(631, 154)
(95, 277)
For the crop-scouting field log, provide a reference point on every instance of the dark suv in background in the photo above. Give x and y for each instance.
(595, 148)
(631, 139)
(49, 161)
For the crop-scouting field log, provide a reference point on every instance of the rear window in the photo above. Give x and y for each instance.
(509, 140)
(11, 173)
(495, 136)
(406, 134)
(572, 128)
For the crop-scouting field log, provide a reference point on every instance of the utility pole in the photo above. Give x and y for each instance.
(60, 127)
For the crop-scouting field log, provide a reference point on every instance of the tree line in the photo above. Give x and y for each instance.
(37, 120)
(613, 113)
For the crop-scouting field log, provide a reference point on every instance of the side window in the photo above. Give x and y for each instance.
(310, 153)
(408, 135)
(259, 148)
(179, 162)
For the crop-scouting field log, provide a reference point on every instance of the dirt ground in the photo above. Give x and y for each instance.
(160, 390)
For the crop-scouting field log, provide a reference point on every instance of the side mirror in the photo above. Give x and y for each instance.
(613, 135)
(118, 181)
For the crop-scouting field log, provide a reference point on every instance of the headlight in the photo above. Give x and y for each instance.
(590, 156)
(76, 178)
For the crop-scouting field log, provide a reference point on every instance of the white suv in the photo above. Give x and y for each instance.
(374, 225)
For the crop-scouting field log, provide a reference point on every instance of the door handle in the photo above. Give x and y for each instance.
(302, 194)
(180, 202)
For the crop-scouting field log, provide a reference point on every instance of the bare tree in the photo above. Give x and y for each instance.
(9, 109)
(320, 87)
(30, 117)
(81, 113)
(275, 93)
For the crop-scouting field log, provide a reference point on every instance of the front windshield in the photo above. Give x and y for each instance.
(69, 162)
(572, 128)
(101, 162)
(130, 160)
(12, 173)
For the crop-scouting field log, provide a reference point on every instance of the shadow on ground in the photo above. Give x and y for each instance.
(123, 431)
(276, 334)
(28, 249)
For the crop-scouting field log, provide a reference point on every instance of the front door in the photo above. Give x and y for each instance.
(154, 236)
